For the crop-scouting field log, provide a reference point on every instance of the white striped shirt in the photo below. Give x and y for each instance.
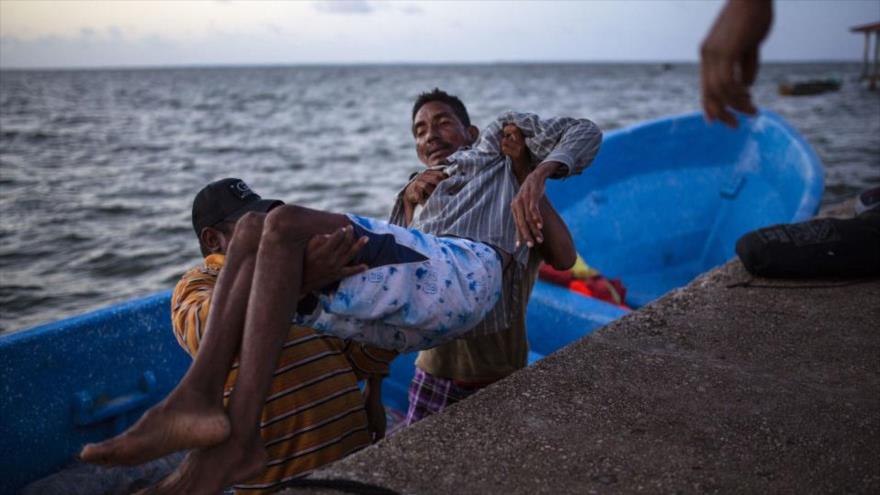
(474, 202)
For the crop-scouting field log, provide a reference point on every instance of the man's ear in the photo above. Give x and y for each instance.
(473, 133)
(211, 239)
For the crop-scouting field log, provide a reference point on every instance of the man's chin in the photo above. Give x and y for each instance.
(438, 160)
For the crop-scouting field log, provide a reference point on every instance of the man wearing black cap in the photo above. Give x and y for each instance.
(313, 369)
(265, 271)
(220, 204)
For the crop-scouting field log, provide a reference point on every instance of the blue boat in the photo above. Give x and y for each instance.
(664, 201)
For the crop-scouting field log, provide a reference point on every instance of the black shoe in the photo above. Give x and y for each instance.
(825, 247)
(868, 201)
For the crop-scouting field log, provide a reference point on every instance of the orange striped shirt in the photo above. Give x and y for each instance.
(314, 413)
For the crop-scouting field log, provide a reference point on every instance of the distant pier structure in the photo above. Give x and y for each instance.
(871, 72)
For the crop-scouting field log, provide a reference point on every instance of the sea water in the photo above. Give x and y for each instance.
(98, 167)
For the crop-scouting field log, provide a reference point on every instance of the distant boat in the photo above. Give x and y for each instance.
(663, 202)
(811, 87)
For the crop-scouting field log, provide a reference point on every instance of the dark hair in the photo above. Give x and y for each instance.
(443, 97)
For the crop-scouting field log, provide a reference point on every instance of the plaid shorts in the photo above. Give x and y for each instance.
(429, 394)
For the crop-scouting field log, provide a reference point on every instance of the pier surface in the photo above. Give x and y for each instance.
(731, 384)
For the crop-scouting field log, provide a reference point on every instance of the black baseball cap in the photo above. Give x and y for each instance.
(226, 200)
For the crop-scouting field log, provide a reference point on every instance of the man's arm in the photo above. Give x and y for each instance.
(554, 240)
(556, 247)
(371, 364)
(561, 146)
(729, 58)
(573, 143)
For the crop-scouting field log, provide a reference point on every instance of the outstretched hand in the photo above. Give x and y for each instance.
(328, 256)
(729, 58)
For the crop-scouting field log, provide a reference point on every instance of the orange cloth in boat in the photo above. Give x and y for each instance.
(586, 280)
(314, 413)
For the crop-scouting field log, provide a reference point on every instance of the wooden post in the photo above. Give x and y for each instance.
(870, 71)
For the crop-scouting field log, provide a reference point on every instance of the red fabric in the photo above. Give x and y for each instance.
(597, 287)
(554, 276)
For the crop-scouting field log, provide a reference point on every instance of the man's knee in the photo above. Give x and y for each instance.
(248, 230)
(285, 224)
(250, 223)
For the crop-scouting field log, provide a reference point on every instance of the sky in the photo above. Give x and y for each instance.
(108, 33)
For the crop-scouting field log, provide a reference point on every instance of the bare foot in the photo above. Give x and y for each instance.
(161, 431)
(212, 470)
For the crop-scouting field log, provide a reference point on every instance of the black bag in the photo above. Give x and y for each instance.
(825, 247)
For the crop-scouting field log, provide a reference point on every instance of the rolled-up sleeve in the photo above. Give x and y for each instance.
(572, 142)
(398, 215)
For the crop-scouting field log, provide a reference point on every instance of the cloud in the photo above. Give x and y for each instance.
(90, 48)
(344, 7)
(412, 9)
(114, 32)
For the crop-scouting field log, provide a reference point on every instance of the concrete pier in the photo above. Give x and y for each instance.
(731, 384)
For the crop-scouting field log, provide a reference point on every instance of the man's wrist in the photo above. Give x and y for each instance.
(550, 169)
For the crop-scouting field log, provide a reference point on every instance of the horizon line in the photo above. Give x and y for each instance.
(221, 65)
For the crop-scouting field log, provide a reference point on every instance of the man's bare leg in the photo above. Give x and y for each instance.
(192, 415)
(276, 286)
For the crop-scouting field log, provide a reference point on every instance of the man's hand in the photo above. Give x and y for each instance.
(419, 190)
(327, 259)
(729, 58)
(526, 205)
(513, 145)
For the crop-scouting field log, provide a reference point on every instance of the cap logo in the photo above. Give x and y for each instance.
(240, 189)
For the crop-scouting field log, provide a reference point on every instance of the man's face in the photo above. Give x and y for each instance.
(438, 133)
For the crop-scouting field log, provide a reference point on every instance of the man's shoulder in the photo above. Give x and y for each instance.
(199, 276)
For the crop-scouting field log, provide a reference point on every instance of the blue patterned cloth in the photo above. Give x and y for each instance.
(421, 290)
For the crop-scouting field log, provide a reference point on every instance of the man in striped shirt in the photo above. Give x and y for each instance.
(314, 413)
(469, 182)
(279, 445)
